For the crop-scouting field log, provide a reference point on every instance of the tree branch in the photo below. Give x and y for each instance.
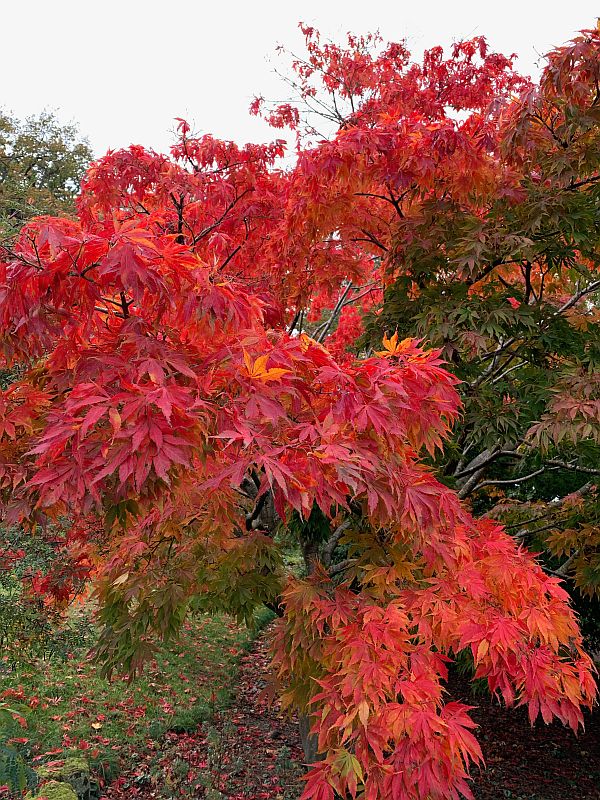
(577, 297)
(492, 457)
(332, 542)
(554, 505)
(341, 566)
(574, 467)
(334, 313)
(513, 481)
(217, 222)
(564, 568)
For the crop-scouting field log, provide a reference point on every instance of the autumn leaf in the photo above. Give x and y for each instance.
(393, 347)
(258, 370)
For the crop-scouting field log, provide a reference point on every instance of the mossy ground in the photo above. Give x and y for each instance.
(73, 710)
(53, 790)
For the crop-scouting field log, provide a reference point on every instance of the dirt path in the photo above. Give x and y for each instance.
(248, 751)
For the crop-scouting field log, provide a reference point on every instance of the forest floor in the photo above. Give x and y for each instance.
(70, 709)
(198, 725)
(251, 751)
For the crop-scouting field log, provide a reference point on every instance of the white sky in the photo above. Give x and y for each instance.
(123, 69)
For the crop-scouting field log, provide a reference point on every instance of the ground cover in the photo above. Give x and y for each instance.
(247, 750)
(546, 762)
(199, 723)
(71, 708)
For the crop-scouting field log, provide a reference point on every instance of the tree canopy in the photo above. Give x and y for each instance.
(473, 210)
(173, 408)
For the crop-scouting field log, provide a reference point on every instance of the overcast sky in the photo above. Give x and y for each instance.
(123, 69)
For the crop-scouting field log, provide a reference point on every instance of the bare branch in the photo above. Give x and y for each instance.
(218, 221)
(492, 457)
(230, 256)
(341, 566)
(495, 354)
(508, 371)
(574, 467)
(564, 568)
(555, 504)
(468, 488)
(334, 313)
(332, 542)
(592, 287)
(513, 480)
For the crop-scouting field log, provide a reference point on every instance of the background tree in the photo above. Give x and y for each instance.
(41, 165)
(509, 290)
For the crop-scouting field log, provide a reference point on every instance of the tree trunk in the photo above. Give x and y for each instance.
(309, 740)
(310, 553)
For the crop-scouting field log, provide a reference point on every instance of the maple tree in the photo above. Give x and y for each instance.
(173, 410)
(460, 200)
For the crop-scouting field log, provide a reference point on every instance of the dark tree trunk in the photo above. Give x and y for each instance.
(309, 740)
(310, 551)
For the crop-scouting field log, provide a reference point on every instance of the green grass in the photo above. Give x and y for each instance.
(72, 708)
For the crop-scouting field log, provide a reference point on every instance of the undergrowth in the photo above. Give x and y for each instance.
(70, 708)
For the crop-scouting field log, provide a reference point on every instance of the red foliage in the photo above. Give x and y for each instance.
(163, 378)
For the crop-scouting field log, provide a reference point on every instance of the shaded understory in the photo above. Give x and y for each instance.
(71, 710)
(546, 762)
(198, 724)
